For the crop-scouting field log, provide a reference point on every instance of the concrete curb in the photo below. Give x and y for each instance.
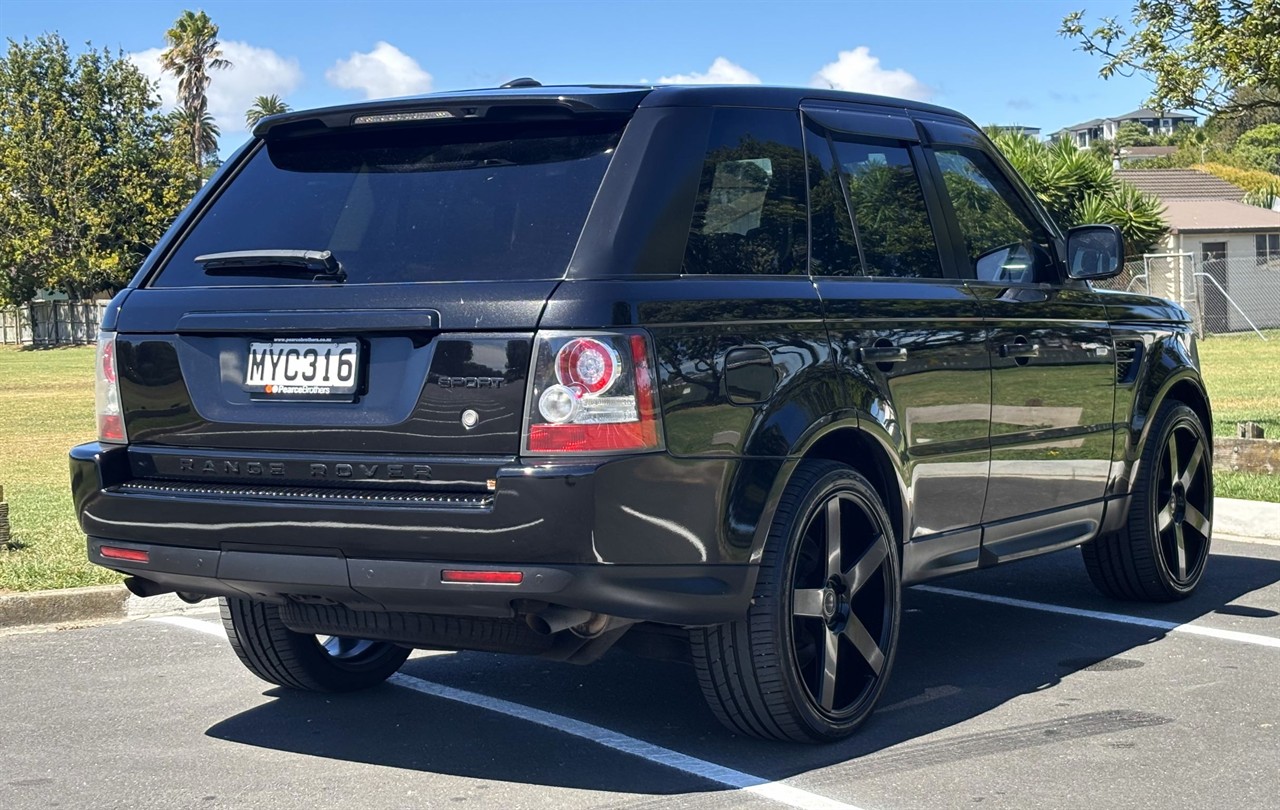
(1241, 518)
(93, 604)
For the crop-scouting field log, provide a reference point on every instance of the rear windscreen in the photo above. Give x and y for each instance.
(443, 203)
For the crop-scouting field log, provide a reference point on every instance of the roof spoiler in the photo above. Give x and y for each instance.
(518, 102)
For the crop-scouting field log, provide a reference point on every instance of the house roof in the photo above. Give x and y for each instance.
(1180, 184)
(1147, 151)
(1146, 112)
(1090, 124)
(1188, 216)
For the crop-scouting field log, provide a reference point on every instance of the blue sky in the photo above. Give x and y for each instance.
(997, 61)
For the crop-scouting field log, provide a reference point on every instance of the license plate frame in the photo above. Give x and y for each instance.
(278, 369)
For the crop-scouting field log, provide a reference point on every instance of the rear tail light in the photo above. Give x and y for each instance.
(106, 392)
(591, 393)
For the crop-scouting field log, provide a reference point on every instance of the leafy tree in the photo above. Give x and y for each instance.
(1078, 188)
(1131, 133)
(193, 51)
(89, 168)
(1199, 55)
(1259, 148)
(262, 107)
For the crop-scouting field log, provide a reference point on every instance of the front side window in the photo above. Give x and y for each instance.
(1003, 241)
(1268, 250)
(750, 214)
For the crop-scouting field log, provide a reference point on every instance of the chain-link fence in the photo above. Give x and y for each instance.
(1222, 294)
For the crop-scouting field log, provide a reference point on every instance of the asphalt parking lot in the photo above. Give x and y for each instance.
(1008, 692)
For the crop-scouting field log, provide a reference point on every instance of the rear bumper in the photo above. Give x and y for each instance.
(636, 537)
(684, 594)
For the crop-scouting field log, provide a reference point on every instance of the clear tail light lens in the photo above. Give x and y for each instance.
(591, 393)
(106, 391)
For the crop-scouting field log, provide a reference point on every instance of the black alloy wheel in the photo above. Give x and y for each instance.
(812, 658)
(1160, 554)
(843, 606)
(1183, 502)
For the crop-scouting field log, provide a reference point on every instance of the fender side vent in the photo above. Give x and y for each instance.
(1128, 360)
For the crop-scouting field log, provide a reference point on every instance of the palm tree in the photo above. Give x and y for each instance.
(193, 51)
(262, 107)
(193, 129)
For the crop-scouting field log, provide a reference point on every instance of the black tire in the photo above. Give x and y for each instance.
(764, 675)
(278, 655)
(1160, 554)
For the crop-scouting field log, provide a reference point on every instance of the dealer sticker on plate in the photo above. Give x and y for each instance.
(303, 368)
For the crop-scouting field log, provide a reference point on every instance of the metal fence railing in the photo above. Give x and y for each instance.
(1223, 295)
(51, 323)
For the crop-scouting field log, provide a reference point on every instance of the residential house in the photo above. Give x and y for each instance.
(1016, 129)
(1234, 266)
(1157, 124)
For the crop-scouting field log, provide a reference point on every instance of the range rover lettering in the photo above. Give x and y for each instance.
(708, 372)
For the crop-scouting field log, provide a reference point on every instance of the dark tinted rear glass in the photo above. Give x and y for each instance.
(447, 203)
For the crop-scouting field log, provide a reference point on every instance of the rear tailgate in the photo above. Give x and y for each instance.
(450, 237)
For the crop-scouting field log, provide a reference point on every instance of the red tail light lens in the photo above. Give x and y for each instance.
(591, 393)
(106, 392)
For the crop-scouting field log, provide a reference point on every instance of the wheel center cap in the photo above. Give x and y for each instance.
(830, 603)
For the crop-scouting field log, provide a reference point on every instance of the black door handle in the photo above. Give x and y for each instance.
(883, 354)
(1020, 350)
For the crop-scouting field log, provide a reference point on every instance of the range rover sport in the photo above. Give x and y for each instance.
(712, 372)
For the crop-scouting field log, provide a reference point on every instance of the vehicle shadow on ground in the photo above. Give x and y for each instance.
(959, 658)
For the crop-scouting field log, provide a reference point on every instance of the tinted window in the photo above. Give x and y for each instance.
(833, 248)
(472, 201)
(1003, 241)
(750, 212)
(889, 210)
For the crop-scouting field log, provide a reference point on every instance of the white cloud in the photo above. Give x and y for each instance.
(722, 71)
(860, 72)
(254, 72)
(383, 72)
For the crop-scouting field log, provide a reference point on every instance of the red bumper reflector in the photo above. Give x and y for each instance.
(487, 577)
(130, 554)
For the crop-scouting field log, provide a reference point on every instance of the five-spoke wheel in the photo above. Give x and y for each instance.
(814, 653)
(1160, 553)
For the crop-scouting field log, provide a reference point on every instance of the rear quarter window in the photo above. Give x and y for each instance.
(443, 203)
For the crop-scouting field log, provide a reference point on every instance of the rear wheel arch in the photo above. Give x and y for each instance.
(860, 450)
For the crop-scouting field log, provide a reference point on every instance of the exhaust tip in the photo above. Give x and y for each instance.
(144, 588)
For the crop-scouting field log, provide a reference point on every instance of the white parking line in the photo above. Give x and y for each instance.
(1121, 618)
(776, 791)
(738, 780)
(212, 628)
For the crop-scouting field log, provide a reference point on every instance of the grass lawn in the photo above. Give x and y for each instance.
(46, 406)
(1242, 373)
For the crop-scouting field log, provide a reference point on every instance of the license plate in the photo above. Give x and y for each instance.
(303, 369)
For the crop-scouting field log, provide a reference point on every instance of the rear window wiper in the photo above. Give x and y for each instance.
(322, 265)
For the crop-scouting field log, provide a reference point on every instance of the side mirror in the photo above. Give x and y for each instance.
(1094, 251)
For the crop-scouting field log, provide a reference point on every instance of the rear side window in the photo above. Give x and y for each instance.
(750, 215)
(894, 234)
(445, 203)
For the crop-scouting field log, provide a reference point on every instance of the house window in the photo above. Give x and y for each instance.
(1268, 249)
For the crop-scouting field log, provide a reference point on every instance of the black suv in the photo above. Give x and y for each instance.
(710, 372)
